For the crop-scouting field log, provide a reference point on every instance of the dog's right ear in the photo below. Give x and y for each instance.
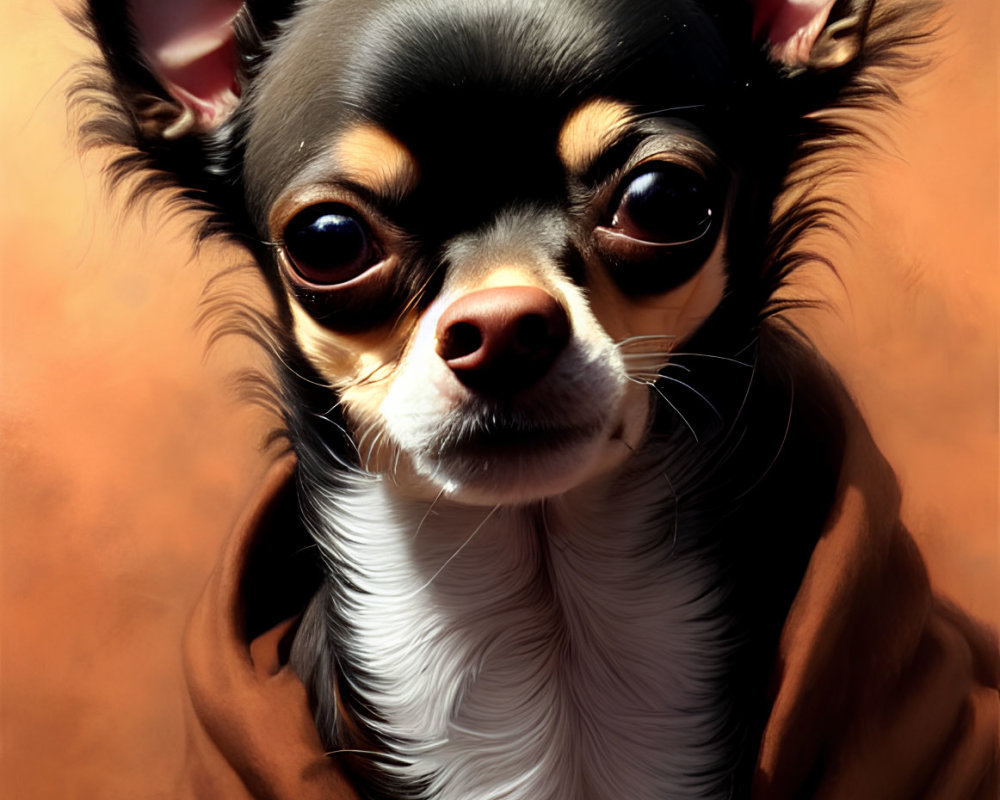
(169, 86)
(174, 65)
(190, 47)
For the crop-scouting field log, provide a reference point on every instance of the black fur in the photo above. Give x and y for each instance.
(767, 433)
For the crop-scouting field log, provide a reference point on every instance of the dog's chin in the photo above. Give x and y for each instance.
(519, 465)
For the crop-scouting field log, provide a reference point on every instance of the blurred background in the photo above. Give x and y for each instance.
(125, 455)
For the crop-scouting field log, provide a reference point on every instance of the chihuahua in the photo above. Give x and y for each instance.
(562, 460)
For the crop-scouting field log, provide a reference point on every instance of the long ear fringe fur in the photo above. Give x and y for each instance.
(117, 102)
(143, 170)
(830, 140)
(228, 309)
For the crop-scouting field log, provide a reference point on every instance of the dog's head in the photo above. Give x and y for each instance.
(488, 224)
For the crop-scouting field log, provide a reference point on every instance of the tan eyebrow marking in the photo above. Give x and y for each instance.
(590, 130)
(373, 157)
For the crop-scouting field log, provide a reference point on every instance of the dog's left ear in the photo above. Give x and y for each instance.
(168, 85)
(190, 46)
(815, 34)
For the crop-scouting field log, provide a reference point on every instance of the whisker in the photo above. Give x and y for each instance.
(660, 111)
(713, 355)
(359, 445)
(746, 393)
(677, 515)
(430, 510)
(461, 547)
(374, 754)
(651, 372)
(395, 465)
(652, 385)
(331, 409)
(370, 380)
(647, 337)
(417, 295)
(781, 445)
(692, 389)
(672, 365)
(371, 449)
(667, 364)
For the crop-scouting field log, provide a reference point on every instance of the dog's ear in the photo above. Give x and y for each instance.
(175, 64)
(168, 86)
(815, 34)
(190, 47)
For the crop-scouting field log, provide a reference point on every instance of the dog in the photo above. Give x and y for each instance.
(530, 352)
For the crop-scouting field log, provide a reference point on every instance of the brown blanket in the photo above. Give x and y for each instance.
(881, 689)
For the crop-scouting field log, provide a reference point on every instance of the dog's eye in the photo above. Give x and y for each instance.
(665, 204)
(329, 244)
(665, 225)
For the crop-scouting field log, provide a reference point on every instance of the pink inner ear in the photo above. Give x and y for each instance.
(190, 46)
(791, 26)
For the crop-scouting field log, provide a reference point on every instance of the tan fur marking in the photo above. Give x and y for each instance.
(361, 368)
(590, 130)
(374, 158)
(677, 313)
(502, 276)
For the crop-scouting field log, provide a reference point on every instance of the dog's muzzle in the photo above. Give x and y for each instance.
(500, 341)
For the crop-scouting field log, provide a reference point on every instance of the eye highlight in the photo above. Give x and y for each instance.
(664, 225)
(665, 204)
(329, 244)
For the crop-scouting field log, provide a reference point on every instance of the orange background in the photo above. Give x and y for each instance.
(125, 454)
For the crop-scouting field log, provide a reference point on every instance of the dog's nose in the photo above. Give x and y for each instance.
(500, 341)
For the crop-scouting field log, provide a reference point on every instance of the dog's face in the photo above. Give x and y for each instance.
(491, 240)
(492, 222)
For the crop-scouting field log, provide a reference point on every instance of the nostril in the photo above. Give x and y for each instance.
(502, 340)
(532, 333)
(460, 339)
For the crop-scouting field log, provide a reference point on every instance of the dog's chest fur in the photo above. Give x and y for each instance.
(563, 650)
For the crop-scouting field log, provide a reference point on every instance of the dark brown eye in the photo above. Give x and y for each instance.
(666, 223)
(665, 204)
(329, 244)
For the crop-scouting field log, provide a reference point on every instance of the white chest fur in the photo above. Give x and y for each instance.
(556, 652)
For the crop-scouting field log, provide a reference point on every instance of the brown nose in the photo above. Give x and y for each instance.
(500, 341)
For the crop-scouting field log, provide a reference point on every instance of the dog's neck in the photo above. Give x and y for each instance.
(616, 641)
(573, 636)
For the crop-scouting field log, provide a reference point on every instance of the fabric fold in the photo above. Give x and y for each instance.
(880, 689)
(250, 731)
